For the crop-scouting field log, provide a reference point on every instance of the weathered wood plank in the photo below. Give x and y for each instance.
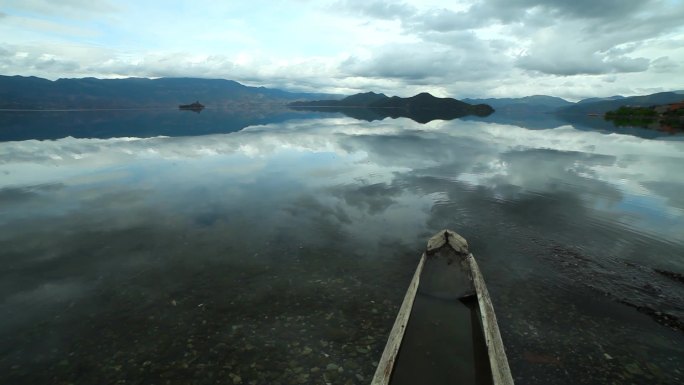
(456, 241)
(501, 373)
(383, 373)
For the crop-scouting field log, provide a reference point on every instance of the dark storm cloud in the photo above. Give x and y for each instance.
(664, 64)
(599, 46)
(411, 17)
(5, 56)
(578, 38)
(394, 63)
(518, 10)
(456, 55)
(483, 12)
(592, 65)
(442, 20)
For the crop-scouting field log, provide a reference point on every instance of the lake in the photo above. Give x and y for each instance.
(275, 247)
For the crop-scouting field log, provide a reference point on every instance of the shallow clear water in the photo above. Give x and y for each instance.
(280, 253)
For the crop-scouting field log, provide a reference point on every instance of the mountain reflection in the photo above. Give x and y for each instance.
(371, 114)
(104, 124)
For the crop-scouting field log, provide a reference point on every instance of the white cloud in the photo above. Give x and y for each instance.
(62, 8)
(458, 49)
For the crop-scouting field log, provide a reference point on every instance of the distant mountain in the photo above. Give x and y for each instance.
(528, 105)
(365, 99)
(422, 101)
(360, 100)
(421, 108)
(594, 100)
(35, 93)
(534, 100)
(604, 105)
(425, 101)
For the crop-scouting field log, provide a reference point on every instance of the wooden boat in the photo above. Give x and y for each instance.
(196, 106)
(446, 331)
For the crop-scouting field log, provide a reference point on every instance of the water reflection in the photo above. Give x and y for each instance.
(371, 114)
(140, 123)
(215, 256)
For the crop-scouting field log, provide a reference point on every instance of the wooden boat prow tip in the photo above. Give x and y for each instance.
(453, 239)
(447, 290)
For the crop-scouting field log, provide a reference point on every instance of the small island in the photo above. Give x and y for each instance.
(422, 108)
(666, 117)
(196, 106)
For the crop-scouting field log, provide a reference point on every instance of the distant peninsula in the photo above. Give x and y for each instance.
(422, 108)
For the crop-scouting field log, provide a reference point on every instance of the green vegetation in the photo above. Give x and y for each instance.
(654, 117)
(603, 105)
(632, 116)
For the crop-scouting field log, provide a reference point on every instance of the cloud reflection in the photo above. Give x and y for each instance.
(476, 153)
(129, 224)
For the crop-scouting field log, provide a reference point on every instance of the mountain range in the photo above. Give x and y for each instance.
(537, 103)
(603, 105)
(543, 112)
(422, 107)
(593, 100)
(19, 92)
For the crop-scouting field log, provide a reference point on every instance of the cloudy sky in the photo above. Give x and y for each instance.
(459, 48)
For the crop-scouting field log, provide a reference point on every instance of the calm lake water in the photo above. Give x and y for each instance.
(275, 248)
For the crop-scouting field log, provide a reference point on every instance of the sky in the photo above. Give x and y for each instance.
(458, 48)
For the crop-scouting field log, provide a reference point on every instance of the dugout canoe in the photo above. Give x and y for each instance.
(446, 330)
